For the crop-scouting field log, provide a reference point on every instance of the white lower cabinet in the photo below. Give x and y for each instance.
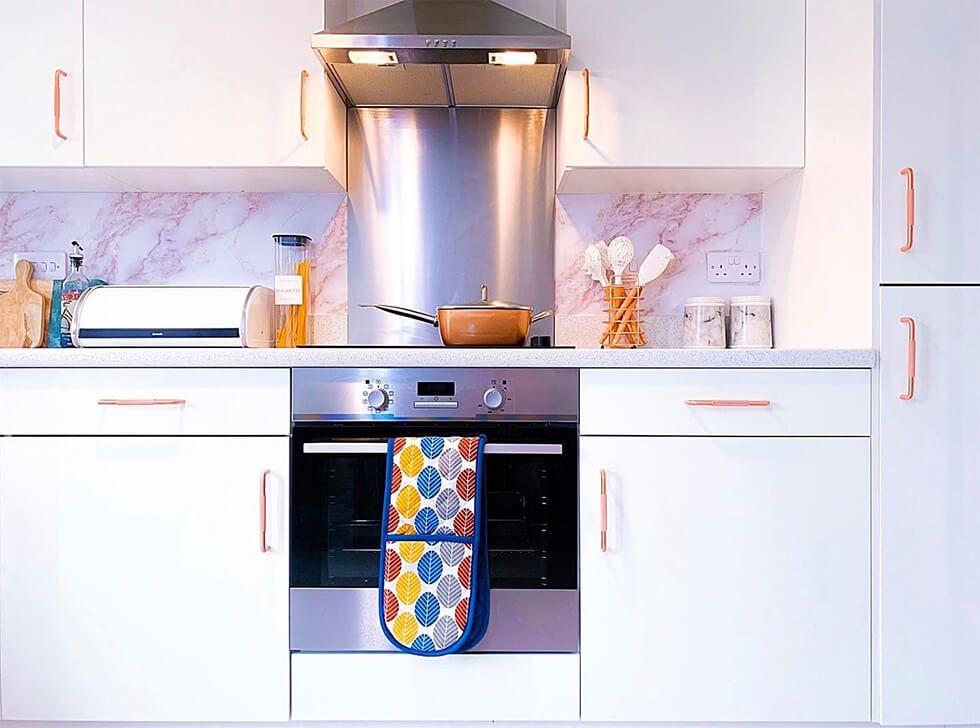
(135, 580)
(736, 581)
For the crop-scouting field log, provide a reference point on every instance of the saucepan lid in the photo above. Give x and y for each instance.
(486, 302)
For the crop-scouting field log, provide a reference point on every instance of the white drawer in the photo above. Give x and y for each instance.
(144, 402)
(726, 402)
(394, 686)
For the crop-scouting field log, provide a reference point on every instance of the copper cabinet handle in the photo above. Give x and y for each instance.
(303, 78)
(58, 75)
(909, 209)
(727, 402)
(141, 402)
(263, 545)
(588, 93)
(603, 513)
(910, 367)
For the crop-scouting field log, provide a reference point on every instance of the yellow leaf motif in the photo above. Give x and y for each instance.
(408, 588)
(411, 460)
(406, 529)
(405, 628)
(411, 551)
(408, 502)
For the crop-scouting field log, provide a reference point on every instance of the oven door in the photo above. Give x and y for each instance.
(338, 481)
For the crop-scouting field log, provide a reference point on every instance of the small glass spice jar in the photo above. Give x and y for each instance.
(751, 322)
(704, 323)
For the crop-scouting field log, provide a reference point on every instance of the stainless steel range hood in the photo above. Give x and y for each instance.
(445, 53)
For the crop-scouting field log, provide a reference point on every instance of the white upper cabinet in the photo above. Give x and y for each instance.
(930, 508)
(929, 116)
(40, 38)
(682, 84)
(218, 84)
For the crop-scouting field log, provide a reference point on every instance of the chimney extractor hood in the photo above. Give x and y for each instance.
(445, 53)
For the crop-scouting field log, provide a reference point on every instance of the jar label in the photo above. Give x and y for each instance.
(289, 290)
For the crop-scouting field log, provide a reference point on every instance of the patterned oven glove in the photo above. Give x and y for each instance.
(435, 581)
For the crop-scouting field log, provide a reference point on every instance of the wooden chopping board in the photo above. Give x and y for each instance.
(23, 322)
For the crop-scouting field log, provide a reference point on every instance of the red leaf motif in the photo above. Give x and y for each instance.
(393, 565)
(465, 567)
(466, 484)
(463, 523)
(393, 519)
(469, 447)
(399, 444)
(396, 477)
(390, 605)
(461, 612)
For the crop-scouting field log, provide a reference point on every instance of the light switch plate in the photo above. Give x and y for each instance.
(48, 265)
(734, 266)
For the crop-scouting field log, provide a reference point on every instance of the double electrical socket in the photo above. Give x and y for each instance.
(48, 265)
(734, 266)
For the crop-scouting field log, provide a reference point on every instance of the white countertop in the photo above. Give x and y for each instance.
(440, 357)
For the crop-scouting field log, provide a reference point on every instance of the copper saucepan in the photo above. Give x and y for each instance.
(485, 323)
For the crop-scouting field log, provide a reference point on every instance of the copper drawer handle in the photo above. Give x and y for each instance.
(727, 402)
(909, 209)
(58, 75)
(910, 390)
(142, 402)
(603, 511)
(585, 75)
(303, 78)
(263, 545)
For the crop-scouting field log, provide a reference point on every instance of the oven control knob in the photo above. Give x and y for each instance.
(493, 398)
(377, 399)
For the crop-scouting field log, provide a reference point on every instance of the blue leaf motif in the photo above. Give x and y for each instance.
(445, 531)
(426, 521)
(449, 591)
(452, 552)
(447, 504)
(432, 446)
(424, 643)
(450, 463)
(445, 632)
(430, 567)
(427, 609)
(429, 482)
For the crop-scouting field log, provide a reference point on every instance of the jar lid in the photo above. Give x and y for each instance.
(293, 240)
(705, 301)
(758, 300)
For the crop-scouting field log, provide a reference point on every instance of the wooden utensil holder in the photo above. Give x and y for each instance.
(624, 323)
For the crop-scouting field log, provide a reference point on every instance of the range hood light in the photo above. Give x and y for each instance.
(374, 58)
(513, 58)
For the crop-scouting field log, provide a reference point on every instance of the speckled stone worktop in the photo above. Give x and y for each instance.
(438, 357)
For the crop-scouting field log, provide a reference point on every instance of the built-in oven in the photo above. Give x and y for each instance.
(342, 420)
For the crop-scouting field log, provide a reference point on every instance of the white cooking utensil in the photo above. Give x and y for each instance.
(604, 252)
(654, 264)
(620, 256)
(593, 265)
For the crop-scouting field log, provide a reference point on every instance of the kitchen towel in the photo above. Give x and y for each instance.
(434, 597)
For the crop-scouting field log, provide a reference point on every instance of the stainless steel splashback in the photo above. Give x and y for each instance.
(441, 201)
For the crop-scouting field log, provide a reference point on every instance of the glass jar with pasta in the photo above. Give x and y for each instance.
(293, 292)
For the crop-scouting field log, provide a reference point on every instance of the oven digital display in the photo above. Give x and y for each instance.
(436, 389)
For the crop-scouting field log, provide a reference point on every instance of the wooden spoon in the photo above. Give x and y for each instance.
(22, 312)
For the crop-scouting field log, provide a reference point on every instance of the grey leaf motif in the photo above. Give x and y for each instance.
(450, 463)
(447, 504)
(452, 552)
(449, 591)
(445, 531)
(445, 632)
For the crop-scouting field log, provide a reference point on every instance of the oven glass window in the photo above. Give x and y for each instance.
(532, 507)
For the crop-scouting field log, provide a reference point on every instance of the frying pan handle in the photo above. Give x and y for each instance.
(411, 313)
(542, 315)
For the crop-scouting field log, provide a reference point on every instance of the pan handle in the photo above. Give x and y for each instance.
(542, 315)
(411, 313)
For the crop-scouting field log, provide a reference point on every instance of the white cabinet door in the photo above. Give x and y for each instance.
(930, 111)
(184, 83)
(39, 38)
(930, 509)
(133, 585)
(698, 83)
(736, 583)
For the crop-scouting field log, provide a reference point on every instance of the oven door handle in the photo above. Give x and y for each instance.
(381, 448)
